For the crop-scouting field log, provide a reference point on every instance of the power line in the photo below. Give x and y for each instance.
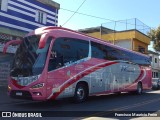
(88, 15)
(120, 21)
(75, 12)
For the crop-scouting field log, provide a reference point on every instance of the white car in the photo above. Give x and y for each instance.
(156, 83)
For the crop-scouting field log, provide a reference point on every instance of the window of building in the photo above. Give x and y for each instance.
(151, 58)
(4, 5)
(155, 60)
(156, 74)
(0, 4)
(41, 17)
(141, 49)
(152, 75)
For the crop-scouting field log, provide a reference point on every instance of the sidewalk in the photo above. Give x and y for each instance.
(3, 82)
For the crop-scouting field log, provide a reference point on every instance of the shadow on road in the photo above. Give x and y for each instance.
(92, 102)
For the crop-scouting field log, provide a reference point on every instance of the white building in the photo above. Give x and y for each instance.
(155, 63)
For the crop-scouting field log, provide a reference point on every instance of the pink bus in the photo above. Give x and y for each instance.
(54, 62)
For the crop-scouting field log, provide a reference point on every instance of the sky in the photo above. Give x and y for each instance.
(147, 11)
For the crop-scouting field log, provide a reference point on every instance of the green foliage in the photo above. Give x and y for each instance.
(154, 34)
(158, 33)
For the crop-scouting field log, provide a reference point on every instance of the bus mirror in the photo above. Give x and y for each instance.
(42, 41)
(10, 43)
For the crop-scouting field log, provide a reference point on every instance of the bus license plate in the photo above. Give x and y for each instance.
(19, 93)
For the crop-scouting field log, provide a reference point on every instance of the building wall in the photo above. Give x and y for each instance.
(95, 34)
(18, 17)
(119, 35)
(124, 43)
(24, 15)
(137, 44)
(130, 39)
(155, 63)
(142, 38)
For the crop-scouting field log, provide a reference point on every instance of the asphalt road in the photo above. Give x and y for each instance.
(98, 107)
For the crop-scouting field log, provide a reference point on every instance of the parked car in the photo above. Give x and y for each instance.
(155, 83)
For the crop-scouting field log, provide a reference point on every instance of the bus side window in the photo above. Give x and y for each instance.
(66, 51)
(98, 51)
(55, 61)
(56, 56)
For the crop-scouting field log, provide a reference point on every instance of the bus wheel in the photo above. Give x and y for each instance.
(139, 89)
(81, 93)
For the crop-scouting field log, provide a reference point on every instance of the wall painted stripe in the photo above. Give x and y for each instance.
(22, 6)
(14, 22)
(38, 7)
(26, 16)
(51, 17)
(20, 19)
(35, 2)
(20, 15)
(52, 22)
(20, 11)
(15, 26)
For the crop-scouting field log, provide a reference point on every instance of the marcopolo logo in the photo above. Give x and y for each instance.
(6, 114)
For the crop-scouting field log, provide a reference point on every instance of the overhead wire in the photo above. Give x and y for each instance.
(98, 17)
(74, 12)
(88, 15)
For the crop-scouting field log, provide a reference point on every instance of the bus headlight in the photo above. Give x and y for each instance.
(9, 88)
(40, 85)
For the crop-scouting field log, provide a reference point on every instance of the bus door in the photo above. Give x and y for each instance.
(66, 54)
(56, 71)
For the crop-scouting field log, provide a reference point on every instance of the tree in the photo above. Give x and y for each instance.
(154, 34)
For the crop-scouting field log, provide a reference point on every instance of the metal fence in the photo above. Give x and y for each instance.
(129, 24)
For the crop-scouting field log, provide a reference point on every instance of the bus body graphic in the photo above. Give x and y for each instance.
(53, 63)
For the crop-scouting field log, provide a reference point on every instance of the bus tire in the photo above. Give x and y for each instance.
(81, 93)
(139, 88)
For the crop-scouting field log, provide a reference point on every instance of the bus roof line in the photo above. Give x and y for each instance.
(93, 38)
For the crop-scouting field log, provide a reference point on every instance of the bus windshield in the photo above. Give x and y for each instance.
(29, 60)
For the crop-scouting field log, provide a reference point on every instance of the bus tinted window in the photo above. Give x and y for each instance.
(66, 51)
(105, 52)
(98, 51)
(113, 54)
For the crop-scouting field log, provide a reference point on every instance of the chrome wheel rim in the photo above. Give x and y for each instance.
(139, 89)
(80, 93)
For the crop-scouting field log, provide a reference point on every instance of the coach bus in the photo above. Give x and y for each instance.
(53, 62)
